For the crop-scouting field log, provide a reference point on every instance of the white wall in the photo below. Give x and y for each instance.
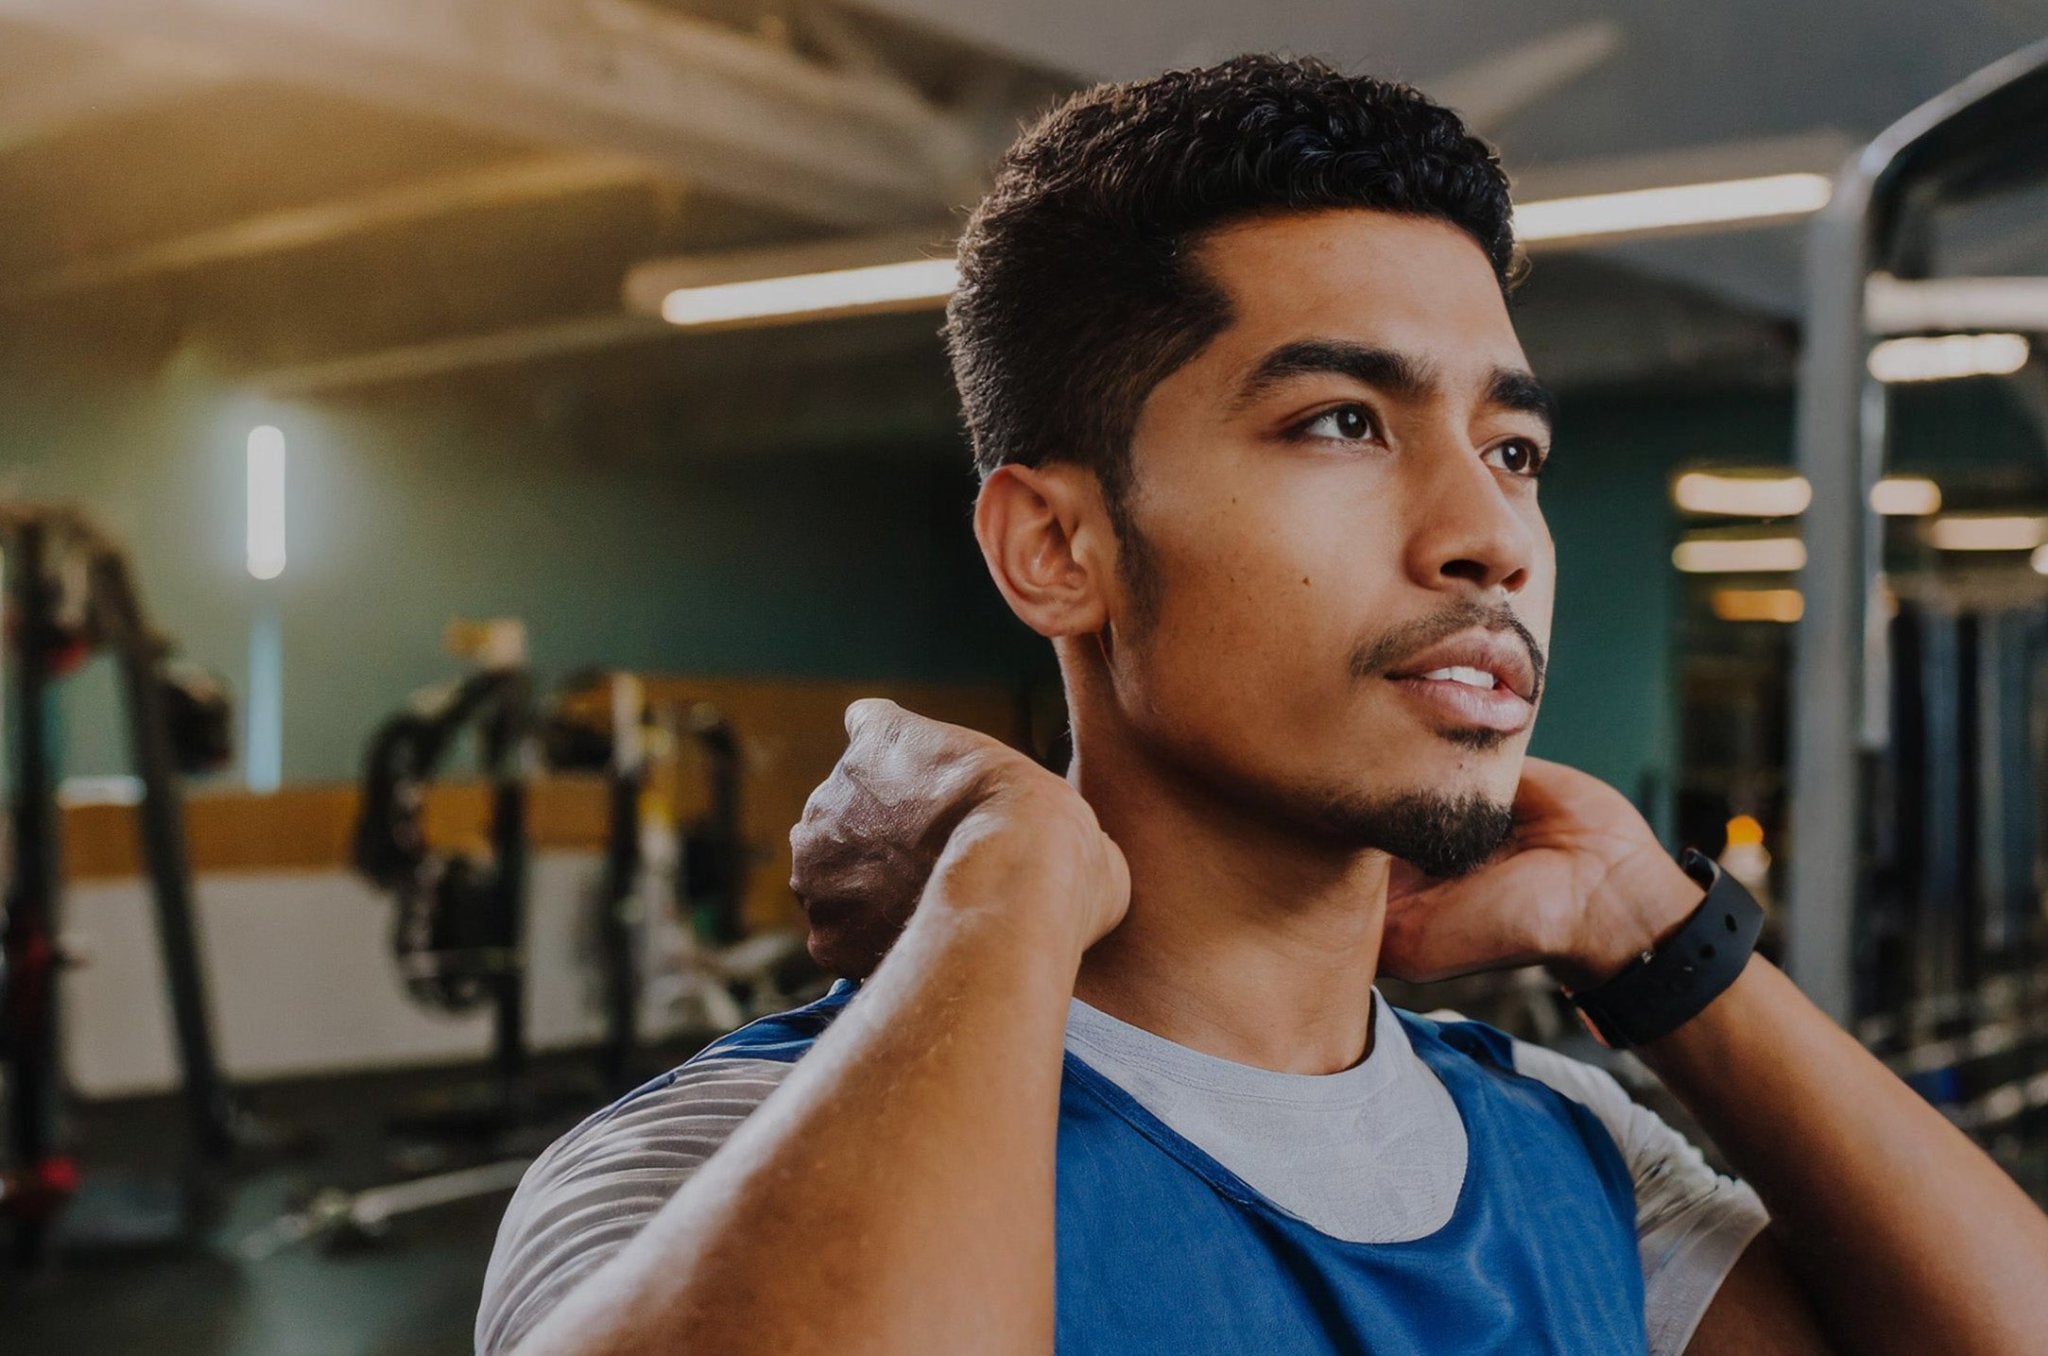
(301, 979)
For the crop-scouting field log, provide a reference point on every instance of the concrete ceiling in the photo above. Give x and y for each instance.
(1677, 75)
(1682, 75)
(315, 199)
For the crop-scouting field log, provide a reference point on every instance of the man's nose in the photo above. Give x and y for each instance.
(1467, 531)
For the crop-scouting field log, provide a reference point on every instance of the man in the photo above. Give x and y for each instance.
(1259, 453)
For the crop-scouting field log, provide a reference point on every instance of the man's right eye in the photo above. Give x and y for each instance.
(1347, 423)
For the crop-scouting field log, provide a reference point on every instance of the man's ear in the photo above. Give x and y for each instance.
(1046, 537)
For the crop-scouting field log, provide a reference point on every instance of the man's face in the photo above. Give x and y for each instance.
(1335, 498)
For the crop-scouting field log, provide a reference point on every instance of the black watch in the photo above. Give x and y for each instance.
(1671, 983)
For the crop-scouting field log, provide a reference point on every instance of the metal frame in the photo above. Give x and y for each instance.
(37, 1164)
(1983, 135)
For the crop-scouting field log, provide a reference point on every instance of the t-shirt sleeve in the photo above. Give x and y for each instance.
(596, 1187)
(1692, 1224)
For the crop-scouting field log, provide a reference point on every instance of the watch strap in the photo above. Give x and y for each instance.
(1669, 984)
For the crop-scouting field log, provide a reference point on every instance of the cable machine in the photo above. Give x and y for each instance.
(459, 920)
(70, 591)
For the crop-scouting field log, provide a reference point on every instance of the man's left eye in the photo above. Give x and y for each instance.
(1346, 421)
(1520, 456)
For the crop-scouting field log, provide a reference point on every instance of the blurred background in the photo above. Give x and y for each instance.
(459, 457)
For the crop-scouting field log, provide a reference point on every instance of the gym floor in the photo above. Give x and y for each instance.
(412, 1292)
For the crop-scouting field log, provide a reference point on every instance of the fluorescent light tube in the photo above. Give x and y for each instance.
(843, 291)
(1987, 532)
(1905, 497)
(1941, 357)
(1758, 605)
(1739, 555)
(266, 502)
(1728, 201)
(1772, 494)
(1892, 306)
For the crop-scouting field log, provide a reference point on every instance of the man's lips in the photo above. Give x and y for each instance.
(1493, 708)
(1490, 654)
(1481, 678)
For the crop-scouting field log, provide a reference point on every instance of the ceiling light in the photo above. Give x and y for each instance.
(1940, 357)
(1987, 532)
(265, 534)
(847, 291)
(1905, 496)
(1758, 605)
(1742, 494)
(872, 275)
(1771, 197)
(1893, 306)
(1738, 555)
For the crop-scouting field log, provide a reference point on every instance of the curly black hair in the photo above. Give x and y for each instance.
(1076, 293)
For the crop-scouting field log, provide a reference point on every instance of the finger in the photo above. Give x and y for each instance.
(878, 712)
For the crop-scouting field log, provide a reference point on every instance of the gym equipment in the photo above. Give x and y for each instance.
(1914, 907)
(714, 971)
(1952, 966)
(70, 591)
(1980, 138)
(671, 896)
(458, 928)
(458, 925)
(342, 1218)
(458, 921)
(600, 721)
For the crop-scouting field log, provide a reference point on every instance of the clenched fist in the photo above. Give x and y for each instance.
(911, 792)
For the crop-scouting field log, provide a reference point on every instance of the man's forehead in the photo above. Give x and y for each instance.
(1346, 244)
(1413, 285)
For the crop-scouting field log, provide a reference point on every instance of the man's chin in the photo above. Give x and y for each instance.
(1440, 835)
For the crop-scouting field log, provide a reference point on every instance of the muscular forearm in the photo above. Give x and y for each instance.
(1905, 1236)
(896, 1193)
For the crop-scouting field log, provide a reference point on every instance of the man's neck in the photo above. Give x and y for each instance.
(1241, 941)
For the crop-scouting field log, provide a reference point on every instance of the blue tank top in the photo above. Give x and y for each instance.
(1162, 1249)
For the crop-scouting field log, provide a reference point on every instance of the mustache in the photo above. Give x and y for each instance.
(1386, 650)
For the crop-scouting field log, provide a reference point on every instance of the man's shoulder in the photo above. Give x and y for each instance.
(1476, 1040)
(744, 1064)
(595, 1187)
(781, 1036)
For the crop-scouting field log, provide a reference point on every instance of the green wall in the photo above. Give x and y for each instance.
(1612, 703)
(1610, 707)
(858, 563)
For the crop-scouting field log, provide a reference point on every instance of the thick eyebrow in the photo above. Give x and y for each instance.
(1398, 374)
(1512, 389)
(1391, 371)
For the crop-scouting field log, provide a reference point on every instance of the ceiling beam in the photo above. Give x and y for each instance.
(1494, 89)
(734, 115)
(50, 103)
(535, 179)
(440, 357)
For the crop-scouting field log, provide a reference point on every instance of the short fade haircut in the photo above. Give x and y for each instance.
(1077, 295)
